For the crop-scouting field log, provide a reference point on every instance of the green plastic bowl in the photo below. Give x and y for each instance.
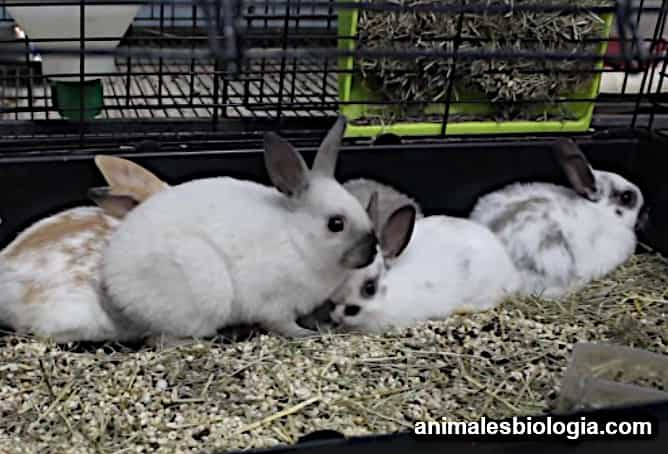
(66, 97)
(352, 89)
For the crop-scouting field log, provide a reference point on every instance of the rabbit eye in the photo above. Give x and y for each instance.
(336, 224)
(369, 288)
(351, 311)
(627, 198)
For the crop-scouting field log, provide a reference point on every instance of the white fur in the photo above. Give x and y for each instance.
(54, 290)
(558, 240)
(222, 251)
(450, 265)
(389, 198)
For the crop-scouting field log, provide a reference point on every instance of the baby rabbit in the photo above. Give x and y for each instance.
(381, 201)
(559, 238)
(429, 269)
(222, 251)
(49, 274)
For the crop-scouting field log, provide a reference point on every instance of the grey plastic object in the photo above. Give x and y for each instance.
(605, 375)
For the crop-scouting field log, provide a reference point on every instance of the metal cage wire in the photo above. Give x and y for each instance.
(221, 67)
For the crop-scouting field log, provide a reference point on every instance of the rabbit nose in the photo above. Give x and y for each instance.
(362, 253)
(370, 246)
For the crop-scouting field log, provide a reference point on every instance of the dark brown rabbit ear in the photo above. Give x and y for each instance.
(397, 231)
(116, 205)
(576, 167)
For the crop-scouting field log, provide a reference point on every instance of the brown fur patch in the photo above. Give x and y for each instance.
(34, 293)
(81, 279)
(53, 232)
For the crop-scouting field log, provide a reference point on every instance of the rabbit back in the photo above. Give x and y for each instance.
(186, 261)
(451, 265)
(49, 277)
(557, 240)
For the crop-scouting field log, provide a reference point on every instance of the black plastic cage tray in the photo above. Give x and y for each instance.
(445, 176)
(406, 442)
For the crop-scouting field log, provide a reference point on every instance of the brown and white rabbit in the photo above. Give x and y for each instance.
(50, 274)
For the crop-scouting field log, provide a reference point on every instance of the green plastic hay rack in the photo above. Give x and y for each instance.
(352, 89)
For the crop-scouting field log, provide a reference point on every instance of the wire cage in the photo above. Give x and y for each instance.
(472, 91)
(219, 68)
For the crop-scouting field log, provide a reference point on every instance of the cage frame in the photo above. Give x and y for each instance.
(30, 169)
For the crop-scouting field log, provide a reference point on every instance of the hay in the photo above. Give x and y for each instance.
(271, 390)
(512, 85)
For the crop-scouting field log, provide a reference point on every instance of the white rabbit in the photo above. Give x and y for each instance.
(49, 274)
(561, 238)
(381, 200)
(430, 269)
(221, 251)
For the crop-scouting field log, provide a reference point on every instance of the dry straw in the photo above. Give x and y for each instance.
(514, 86)
(270, 390)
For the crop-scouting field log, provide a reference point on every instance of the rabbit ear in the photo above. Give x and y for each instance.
(397, 231)
(372, 208)
(116, 205)
(286, 167)
(127, 178)
(576, 167)
(325, 160)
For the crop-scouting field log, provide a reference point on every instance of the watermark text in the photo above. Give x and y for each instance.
(574, 428)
